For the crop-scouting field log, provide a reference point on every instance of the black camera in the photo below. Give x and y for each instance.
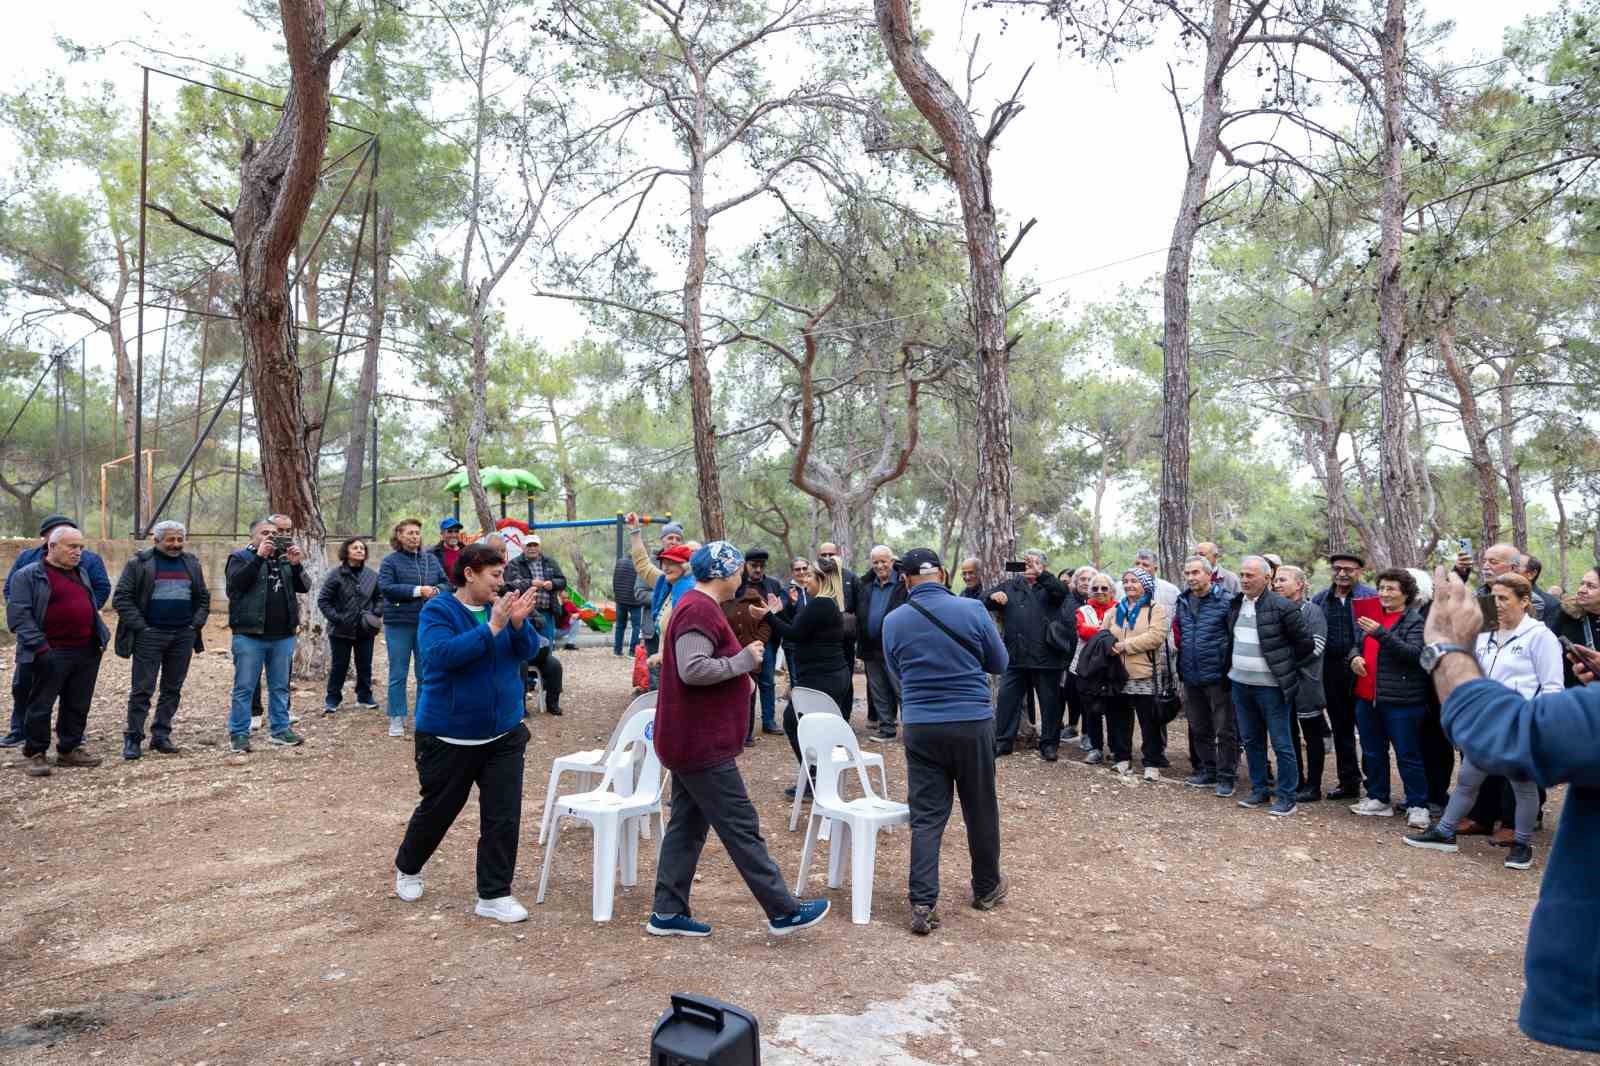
(281, 542)
(1014, 567)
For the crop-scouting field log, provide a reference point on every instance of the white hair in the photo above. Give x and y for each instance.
(1145, 555)
(1202, 560)
(884, 548)
(60, 531)
(165, 526)
(1260, 561)
(1424, 587)
(1035, 553)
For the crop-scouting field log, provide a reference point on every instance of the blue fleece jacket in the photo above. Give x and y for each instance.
(471, 685)
(1553, 738)
(399, 575)
(940, 681)
(93, 567)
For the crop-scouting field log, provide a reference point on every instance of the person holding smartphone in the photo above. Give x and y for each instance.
(1027, 602)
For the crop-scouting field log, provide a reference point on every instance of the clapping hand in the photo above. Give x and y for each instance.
(520, 606)
(500, 611)
(774, 605)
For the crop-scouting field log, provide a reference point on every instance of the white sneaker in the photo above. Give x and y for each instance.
(397, 727)
(1417, 817)
(294, 719)
(1123, 769)
(1372, 808)
(1152, 774)
(504, 909)
(255, 725)
(408, 886)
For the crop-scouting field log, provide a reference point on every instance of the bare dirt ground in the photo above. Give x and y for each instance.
(188, 910)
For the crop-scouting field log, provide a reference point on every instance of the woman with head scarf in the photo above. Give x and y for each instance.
(699, 731)
(1101, 602)
(1139, 625)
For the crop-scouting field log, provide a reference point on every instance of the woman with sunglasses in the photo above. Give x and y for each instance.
(1102, 601)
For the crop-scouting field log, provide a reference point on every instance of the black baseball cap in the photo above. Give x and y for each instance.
(1348, 557)
(920, 562)
(53, 521)
(756, 555)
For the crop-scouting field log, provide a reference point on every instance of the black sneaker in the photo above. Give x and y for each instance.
(771, 730)
(553, 709)
(164, 746)
(924, 919)
(881, 736)
(1520, 857)
(1282, 808)
(1000, 749)
(1069, 733)
(1200, 780)
(990, 900)
(130, 748)
(1433, 840)
(11, 740)
(1224, 788)
(1048, 753)
(1254, 800)
(1308, 795)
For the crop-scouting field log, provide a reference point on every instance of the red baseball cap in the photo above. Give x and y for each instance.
(678, 553)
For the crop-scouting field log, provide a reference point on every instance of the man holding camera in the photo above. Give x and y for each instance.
(1027, 603)
(262, 580)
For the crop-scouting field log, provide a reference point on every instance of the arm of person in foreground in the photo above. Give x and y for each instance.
(698, 666)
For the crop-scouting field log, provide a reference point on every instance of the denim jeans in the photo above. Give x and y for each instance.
(250, 656)
(1263, 713)
(635, 614)
(1381, 725)
(401, 643)
(767, 686)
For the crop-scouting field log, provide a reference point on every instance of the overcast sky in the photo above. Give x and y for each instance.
(1097, 159)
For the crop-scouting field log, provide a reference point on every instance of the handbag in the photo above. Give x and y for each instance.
(1060, 637)
(1169, 703)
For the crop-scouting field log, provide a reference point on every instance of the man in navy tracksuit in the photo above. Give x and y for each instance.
(939, 647)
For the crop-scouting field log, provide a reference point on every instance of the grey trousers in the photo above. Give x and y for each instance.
(716, 799)
(884, 692)
(1469, 779)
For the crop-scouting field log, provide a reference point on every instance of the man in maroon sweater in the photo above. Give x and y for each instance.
(701, 718)
(52, 614)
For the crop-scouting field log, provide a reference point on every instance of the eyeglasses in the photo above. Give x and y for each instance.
(827, 555)
(1345, 569)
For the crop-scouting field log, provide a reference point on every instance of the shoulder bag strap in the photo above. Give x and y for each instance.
(952, 634)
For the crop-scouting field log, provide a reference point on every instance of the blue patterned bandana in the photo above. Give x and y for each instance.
(714, 560)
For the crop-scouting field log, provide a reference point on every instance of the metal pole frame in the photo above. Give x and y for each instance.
(138, 373)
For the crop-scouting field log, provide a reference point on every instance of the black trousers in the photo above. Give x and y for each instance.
(1119, 727)
(68, 675)
(837, 684)
(445, 775)
(1071, 699)
(548, 666)
(1311, 749)
(162, 654)
(716, 799)
(941, 758)
(1152, 731)
(1214, 729)
(21, 687)
(1008, 706)
(1438, 757)
(1340, 685)
(344, 649)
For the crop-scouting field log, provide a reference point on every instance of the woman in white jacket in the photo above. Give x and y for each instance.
(1522, 654)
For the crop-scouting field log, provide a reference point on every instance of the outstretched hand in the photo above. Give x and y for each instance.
(500, 611)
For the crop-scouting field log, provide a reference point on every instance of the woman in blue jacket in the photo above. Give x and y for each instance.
(469, 728)
(407, 579)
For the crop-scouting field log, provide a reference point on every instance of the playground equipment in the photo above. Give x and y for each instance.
(498, 480)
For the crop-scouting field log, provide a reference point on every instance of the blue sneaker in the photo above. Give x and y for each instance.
(1256, 799)
(810, 913)
(11, 740)
(675, 925)
(1283, 808)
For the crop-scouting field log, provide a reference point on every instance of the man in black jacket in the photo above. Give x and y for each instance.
(881, 592)
(162, 604)
(1027, 604)
(755, 578)
(263, 613)
(534, 569)
(1269, 646)
(971, 583)
(1547, 608)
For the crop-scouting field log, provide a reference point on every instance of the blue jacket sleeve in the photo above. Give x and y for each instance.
(443, 647)
(389, 583)
(1553, 738)
(22, 621)
(99, 580)
(995, 659)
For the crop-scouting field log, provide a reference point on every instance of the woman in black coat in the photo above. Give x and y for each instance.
(813, 638)
(350, 602)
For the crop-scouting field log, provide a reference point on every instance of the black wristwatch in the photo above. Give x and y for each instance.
(1433, 653)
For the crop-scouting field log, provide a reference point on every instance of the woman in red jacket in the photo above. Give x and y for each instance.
(1102, 601)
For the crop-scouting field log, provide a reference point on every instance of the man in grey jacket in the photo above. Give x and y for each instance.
(1311, 732)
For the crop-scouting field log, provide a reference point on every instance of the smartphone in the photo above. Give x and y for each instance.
(1464, 546)
(1016, 567)
(1566, 646)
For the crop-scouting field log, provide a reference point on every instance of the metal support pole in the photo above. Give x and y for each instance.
(194, 450)
(61, 440)
(83, 424)
(238, 464)
(620, 544)
(138, 374)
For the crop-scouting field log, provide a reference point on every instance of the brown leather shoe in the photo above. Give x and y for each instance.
(1469, 828)
(1503, 838)
(37, 765)
(77, 757)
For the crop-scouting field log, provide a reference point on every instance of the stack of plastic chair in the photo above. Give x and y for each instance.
(628, 794)
(820, 734)
(810, 701)
(589, 766)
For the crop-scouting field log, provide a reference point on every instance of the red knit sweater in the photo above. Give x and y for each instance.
(700, 726)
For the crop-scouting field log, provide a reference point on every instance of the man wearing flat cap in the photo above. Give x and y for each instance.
(1337, 602)
(756, 587)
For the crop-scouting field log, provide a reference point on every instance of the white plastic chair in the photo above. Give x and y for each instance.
(862, 817)
(811, 701)
(589, 766)
(614, 814)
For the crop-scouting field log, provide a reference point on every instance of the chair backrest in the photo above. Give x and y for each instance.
(634, 751)
(818, 735)
(811, 701)
(643, 702)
